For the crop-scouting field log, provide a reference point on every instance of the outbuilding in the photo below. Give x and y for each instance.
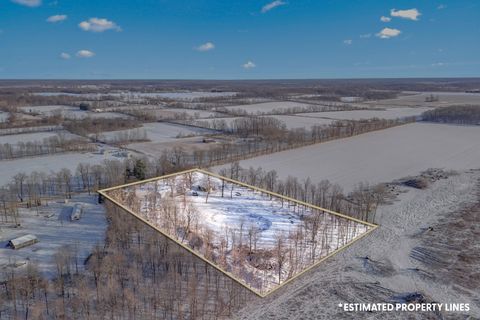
(23, 241)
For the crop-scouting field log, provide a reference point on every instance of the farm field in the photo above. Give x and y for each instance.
(391, 113)
(133, 95)
(70, 112)
(198, 114)
(160, 131)
(379, 156)
(202, 211)
(50, 163)
(54, 229)
(444, 99)
(155, 149)
(37, 137)
(265, 107)
(300, 121)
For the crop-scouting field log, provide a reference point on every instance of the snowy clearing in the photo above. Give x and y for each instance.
(409, 98)
(391, 113)
(4, 116)
(268, 106)
(244, 231)
(133, 95)
(72, 113)
(379, 156)
(160, 131)
(38, 137)
(54, 229)
(50, 163)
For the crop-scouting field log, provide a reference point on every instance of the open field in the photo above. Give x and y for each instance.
(268, 106)
(384, 268)
(133, 95)
(69, 112)
(160, 131)
(245, 232)
(37, 137)
(54, 229)
(391, 113)
(155, 149)
(4, 116)
(444, 99)
(379, 156)
(47, 164)
(171, 112)
(300, 121)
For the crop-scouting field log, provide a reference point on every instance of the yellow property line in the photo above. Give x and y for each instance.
(103, 192)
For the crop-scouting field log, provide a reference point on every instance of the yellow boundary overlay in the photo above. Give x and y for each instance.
(228, 274)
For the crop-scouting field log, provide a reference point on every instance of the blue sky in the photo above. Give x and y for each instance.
(247, 39)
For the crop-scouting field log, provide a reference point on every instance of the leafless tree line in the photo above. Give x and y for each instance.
(468, 114)
(51, 145)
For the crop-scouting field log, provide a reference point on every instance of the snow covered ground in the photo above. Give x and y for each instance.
(37, 137)
(50, 163)
(132, 95)
(70, 112)
(161, 132)
(232, 219)
(391, 113)
(390, 273)
(379, 156)
(268, 106)
(54, 229)
(3, 116)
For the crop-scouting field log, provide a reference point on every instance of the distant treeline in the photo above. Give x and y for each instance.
(468, 114)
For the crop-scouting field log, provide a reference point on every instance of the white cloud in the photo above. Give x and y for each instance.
(57, 18)
(348, 42)
(98, 25)
(249, 65)
(273, 5)
(207, 46)
(85, 54)
(387, 33)
(439, 64)
(28, 3)
(411, 14)
(65, 55)
(441, 6)
(366, 35)
(385, 19)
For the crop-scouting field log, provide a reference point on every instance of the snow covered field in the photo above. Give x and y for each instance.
(3, 116)
(54, 229)
(268, 106)
(198, 114)
(161, 131)
(410, 98)
(47, 164)
(238, 228)
(70, 112)
(379, 156)
(37, 137)
(391, 113)
(300, 121)
(133, 95)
